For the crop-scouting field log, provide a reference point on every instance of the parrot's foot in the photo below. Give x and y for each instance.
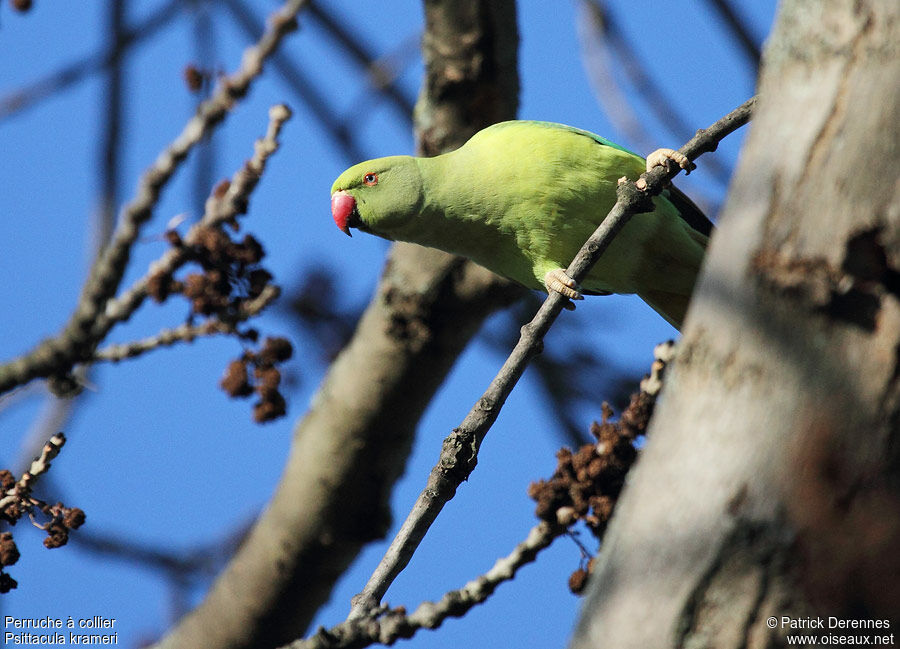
(660, 158)
(557, 280)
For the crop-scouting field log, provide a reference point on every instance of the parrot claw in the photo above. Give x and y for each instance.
(660, 158)
(557, 280)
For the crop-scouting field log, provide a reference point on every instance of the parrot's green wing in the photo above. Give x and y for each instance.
(687, 210)
(691, 214)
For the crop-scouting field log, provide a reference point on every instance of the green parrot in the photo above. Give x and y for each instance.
(521, 198)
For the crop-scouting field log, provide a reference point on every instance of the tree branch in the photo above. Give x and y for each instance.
(384, 626)
(460, 449)
(81, 334)
(297, 80)
(571, 495)
(219, 209)
(189, 332)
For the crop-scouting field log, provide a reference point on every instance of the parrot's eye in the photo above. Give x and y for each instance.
(370, 179)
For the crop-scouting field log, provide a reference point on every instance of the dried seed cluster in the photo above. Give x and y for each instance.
(231, 278)
(196, 78)
(587, 482)
(231, 273)
(18, 501)
(266, 377)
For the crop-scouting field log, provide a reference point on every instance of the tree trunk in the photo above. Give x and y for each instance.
(770, 483)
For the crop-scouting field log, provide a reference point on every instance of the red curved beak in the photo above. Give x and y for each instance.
(342, 206)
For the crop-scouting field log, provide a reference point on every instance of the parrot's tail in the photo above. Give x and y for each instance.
(671, 306)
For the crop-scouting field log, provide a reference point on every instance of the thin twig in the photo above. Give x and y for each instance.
(385, 626)
(302, 87)
(460, 448)
(188, 332)
(218, 210)
(22, 489)
(83, 331)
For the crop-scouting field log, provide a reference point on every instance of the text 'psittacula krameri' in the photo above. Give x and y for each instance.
(521, 198)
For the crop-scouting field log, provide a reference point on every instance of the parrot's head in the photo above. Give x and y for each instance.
(378, 196)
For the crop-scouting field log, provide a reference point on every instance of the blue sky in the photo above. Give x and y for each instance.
(157, 453)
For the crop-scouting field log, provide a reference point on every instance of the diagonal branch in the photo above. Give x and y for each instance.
(298, 81)
(561, 502)
(460, 449)
(364, 57)
(738, 28)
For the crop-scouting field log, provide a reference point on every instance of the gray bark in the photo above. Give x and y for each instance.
(770, 484)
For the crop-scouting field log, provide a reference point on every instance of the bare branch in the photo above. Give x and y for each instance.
(83, 332)
(460, 449)
(39, 466)
(219, 209)
(556, 509)
(384, 626)
(107, 272)
(298, 82)
(188, 332)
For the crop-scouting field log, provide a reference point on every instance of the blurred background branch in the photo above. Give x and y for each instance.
(739, 31)
(78, 71)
